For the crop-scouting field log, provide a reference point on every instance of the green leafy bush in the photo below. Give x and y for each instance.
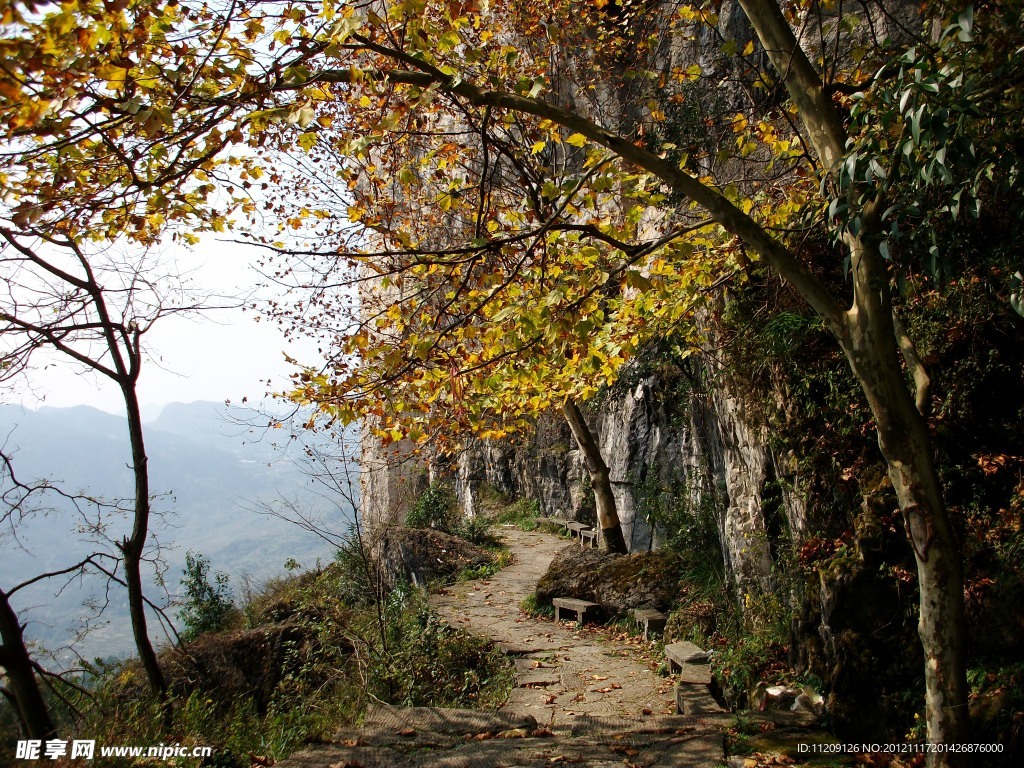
(437, 508)
(206, 607)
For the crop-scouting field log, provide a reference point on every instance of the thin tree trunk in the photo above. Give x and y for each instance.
(600, 480)
(132, 547)
(14, 658)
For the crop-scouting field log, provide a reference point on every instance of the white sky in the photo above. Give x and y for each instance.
(221, 355)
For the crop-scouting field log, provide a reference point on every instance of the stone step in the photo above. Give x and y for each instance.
(438, 720)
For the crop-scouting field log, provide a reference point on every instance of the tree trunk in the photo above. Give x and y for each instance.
(869, 340)
(132, 547)
(14, 658)
(906, 446)
(600, 480)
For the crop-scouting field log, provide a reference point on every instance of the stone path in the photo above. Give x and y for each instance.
(578, 699)
(560, 673)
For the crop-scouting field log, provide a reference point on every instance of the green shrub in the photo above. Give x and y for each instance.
(437, 508)
(478, 531)
(206, 607)
(522, 514)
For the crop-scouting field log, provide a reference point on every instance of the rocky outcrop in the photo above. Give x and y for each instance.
(422, 555)
(666, 442)
(241, 665)
(619, 583)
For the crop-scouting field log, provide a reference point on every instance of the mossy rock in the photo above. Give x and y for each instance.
(694, 618)
(231, 666)
(619, 583)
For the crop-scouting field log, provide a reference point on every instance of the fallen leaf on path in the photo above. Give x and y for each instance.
(627, 751)
(513, 733)
(551, 699)
(407, 732)
(599, 677)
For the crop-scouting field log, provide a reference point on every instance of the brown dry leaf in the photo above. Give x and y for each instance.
(484, 736)
(627, 751)
(513, 733)
(255, 759)
(616, 686)
(646, 711)
(541, 733)
(551, 699)
(599, 677)
(353, 743)
(407, 732)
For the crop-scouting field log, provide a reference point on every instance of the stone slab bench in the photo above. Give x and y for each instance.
(651, 620)
(582, 608)
(690, 662)
(695, 700)
(577, 528)
(589, 536)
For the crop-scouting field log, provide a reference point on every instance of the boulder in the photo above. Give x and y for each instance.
(619, 583)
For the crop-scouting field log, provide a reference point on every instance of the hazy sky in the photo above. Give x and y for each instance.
(223, 355)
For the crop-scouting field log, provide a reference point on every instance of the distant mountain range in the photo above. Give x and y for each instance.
(213, 468)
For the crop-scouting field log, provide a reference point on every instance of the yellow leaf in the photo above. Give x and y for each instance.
(577, 140)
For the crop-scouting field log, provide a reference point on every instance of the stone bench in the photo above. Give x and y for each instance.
(589, 535)
(582, 608)
(690, 662)
(694, 674)
(651, 620)
(576, 528)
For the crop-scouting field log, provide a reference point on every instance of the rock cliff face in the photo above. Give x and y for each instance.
(660, 439)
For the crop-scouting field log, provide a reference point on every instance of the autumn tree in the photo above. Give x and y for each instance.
(425, 99)
(534, 136)
(114, 117)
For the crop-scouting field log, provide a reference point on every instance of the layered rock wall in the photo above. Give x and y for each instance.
(657, 437)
